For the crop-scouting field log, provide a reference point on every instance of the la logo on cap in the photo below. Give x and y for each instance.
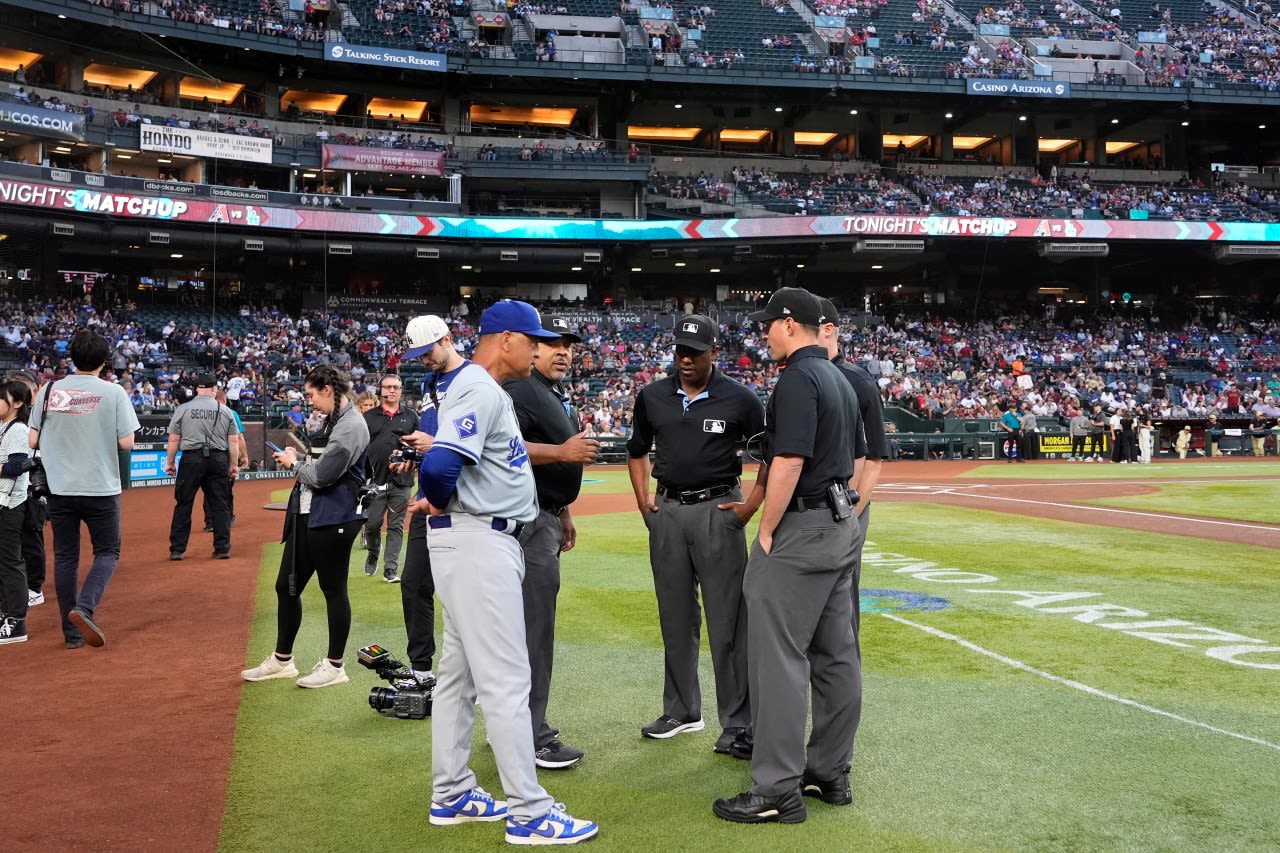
(689, 327)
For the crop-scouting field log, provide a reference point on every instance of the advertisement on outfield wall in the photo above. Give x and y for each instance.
(71, 199)
(41, 122)
(203, 143)
(358, 158)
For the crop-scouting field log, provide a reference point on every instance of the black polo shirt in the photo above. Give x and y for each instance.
(697, 447)
(383, 440)
(547, 418)
(870, 407)
(813, 413)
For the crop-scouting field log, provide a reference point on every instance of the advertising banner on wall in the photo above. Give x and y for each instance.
(203, 143)
(356, 158)
(387, 57)
(41, 122)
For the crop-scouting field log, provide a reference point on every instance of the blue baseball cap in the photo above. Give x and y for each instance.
(511, 315)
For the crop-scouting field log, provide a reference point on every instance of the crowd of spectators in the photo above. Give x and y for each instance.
(934, 366)
(268, 20)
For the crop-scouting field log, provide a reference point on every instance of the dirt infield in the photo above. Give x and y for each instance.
(129, 747)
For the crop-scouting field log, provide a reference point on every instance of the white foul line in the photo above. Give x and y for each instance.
(1092, 691)
(1268, 527)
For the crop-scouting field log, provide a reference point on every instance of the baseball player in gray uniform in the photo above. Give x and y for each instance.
(478, 489)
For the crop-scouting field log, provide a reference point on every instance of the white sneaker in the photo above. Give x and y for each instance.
(270, 668)
(34, 597)
(324, 674)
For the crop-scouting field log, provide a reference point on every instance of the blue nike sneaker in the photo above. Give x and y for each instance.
(468, 807)
(554, 827)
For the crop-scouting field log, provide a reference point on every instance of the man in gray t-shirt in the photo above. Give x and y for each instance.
(86, 424)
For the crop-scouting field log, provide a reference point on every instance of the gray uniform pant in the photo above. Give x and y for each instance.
(690, 547)
(800, 639)
(541, 541)
(478, 572)
(391, 501)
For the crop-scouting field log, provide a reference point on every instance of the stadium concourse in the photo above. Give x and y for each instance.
(139, 735)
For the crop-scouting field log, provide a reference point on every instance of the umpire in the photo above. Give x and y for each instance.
(696, 520)
(799, 579)
(203, 430)
(391, 489)
(557, 449)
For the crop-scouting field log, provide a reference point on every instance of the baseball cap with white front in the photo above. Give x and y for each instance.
(422, 334)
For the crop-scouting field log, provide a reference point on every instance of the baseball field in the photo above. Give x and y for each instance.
(1057, 657)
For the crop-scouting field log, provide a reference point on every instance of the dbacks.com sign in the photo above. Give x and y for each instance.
(90, 201)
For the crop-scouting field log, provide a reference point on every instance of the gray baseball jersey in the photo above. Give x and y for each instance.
(478, 421)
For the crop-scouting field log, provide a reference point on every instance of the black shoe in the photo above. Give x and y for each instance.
(84, 621)
(371, 566)
(726, 739)
(665, 727)
(836, 792)
(742, 746)
(222, 555)
(208, 528)
(176, 556)
(75, 642)
(557, 756)
(753, 808)
(13, 630)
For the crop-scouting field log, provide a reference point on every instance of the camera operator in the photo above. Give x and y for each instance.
(391, 488)
(206, 432)
(36, 515)
(79, 424)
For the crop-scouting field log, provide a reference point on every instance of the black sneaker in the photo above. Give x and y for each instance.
(222, 555)
(743, 745)
(176, 556)
(84, 621)
(557, 756)
(726, 739)
(753, 808)
(14, 630)
(836, 792)
(665, 727)
(74, 642)
(208, 528)
(371, 566)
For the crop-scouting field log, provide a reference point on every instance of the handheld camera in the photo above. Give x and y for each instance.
(407, 698)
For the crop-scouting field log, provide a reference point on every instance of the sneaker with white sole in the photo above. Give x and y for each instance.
(34, 597)
(468, 807)
(12, 630)
(324, 674)
(555, 827)
(665, 727)
(270, 668)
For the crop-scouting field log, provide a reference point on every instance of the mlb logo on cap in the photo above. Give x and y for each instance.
(561, 325)
(690, 327)
(697, 332)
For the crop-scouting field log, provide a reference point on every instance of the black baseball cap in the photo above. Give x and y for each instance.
(794, 302)
(697, 332)
(561, 325)
(206, 380)
(829, 312)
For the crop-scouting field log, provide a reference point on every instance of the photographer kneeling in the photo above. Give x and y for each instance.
(320, 527)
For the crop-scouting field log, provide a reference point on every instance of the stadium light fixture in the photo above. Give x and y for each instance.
(680, 263)
(1022, 118)
(1186, 124)
(949, 115)
(637, 269)
(714, 269)
(1262, 127)
(465, 266)
(877, 266)
(853, 112)
(175, 255)
(575, 269)
(1115, 121)
(777, 109)
(678, 106)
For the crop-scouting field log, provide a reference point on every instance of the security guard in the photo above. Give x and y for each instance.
(557, 449)
(204, 430)
(799, 579)
(696, 523)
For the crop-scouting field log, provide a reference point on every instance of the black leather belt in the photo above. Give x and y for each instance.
(696, 496)
(801, 503)
(557, 511)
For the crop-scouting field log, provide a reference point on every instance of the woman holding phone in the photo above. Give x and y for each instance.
(321, 524)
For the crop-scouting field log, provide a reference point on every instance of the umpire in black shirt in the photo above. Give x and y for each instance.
(203, 430)
(558, 448)
(799, 578)
(696, 520)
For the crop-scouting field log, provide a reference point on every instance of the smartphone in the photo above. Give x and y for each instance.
(275, 448)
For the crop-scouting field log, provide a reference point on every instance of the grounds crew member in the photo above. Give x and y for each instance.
(205, 431)
(696, 518)
(799, 578)
(479, 490)
(391, 489)
(558, 449)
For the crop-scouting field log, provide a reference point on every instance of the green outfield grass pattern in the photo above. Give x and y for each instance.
(1166, 469)
(1238, 501)
(957, 752)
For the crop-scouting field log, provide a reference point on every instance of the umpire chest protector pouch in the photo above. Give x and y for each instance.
(841, 501)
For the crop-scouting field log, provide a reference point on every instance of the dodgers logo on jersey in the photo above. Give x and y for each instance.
(715, 426)
(466, 425)
(517, 456)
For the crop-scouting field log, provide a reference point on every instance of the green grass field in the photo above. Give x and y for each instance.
(988, 724)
